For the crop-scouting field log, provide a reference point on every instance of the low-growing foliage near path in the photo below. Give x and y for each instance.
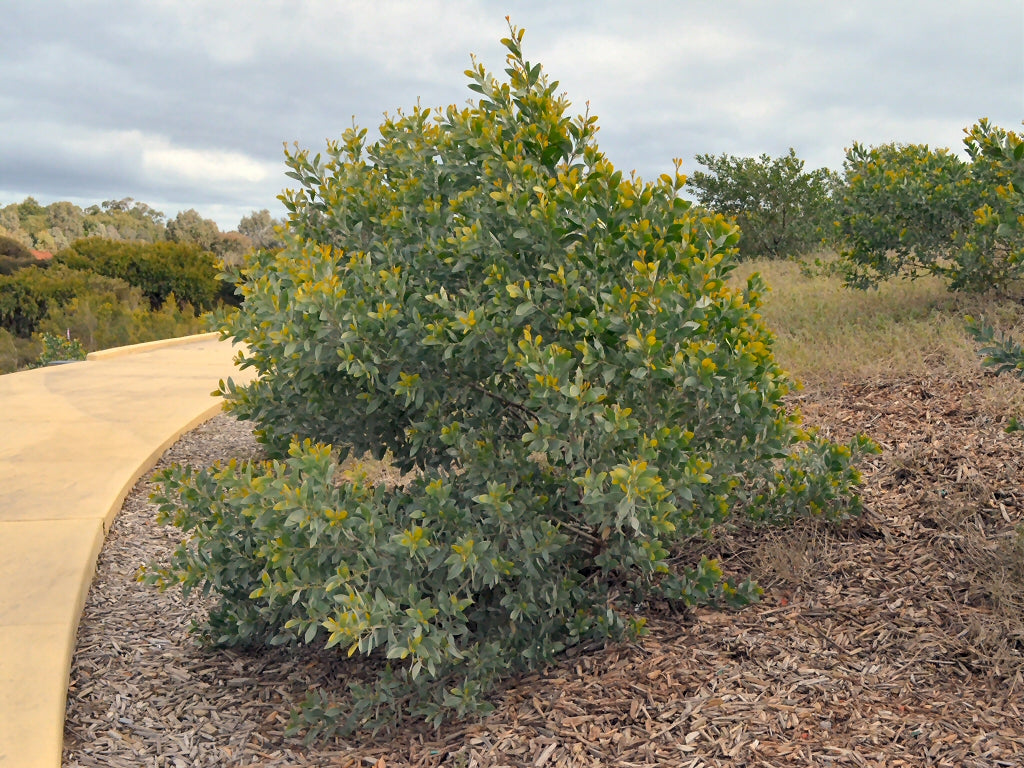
(552, 349)
(60, 349)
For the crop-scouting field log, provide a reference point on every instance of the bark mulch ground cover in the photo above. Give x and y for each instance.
(896, 639)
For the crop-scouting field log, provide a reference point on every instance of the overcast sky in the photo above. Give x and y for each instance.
(187, 103)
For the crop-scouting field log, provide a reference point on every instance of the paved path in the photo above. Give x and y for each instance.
(74, 439)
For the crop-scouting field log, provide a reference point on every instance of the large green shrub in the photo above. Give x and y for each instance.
(908, 209)
(157, 269)
(782, 211)
(553, 349)
(30, 293)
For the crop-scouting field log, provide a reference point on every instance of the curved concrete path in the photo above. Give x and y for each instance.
(74, 439)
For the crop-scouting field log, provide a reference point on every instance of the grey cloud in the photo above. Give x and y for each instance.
(230, 82)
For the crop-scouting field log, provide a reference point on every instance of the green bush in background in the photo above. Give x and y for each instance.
(995, 242)
(910, 210)
(999, 228)
(100, 323)
(98, 311)
(550, 347)
(30, 293)
(782, 211)
(157, 269)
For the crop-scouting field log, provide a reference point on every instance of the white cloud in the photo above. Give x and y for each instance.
(110, 164)
(160, 159)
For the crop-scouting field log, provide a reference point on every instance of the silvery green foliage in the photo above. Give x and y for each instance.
(554, 351)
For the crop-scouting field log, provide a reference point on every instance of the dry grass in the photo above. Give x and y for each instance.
(372, 471)
(828, 334)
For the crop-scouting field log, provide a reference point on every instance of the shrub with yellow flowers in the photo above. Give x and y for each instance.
(549, 347)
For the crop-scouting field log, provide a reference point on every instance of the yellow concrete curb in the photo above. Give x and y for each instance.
(149, 462)
(76, 440)
(146, 346)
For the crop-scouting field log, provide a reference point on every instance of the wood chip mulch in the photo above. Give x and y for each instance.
(896, 639)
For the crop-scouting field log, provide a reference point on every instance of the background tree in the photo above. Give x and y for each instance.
(781, 210)
(29, 294)
(44, 240)
(100, 311)
(99, 321)
(32, 215)
(157, 269)
(126, 285)
(232, 247)
(66, 222)
(10, 225)
(900, 208)
(125, 219)
(190, 227)
(259, 227)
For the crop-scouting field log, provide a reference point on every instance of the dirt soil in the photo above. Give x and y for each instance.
(896, 639)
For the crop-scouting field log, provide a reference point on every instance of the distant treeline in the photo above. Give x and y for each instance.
(112, 274)
(53, 227)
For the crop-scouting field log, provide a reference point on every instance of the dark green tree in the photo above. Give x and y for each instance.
(782, 211)
(157, 269)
